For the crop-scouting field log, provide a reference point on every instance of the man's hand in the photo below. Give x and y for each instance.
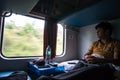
(91, 59)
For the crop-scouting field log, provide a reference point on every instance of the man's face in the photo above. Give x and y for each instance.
(102, 34)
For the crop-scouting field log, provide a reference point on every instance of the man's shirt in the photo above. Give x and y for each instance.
(105, 49)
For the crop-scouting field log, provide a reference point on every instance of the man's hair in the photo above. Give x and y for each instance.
(105, 25)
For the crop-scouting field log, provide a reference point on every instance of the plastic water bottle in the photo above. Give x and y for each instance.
(48, 55)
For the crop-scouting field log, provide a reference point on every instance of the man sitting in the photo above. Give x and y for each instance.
(97, 61)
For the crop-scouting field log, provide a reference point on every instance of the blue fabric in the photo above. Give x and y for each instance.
(4, 74)
(7, 73)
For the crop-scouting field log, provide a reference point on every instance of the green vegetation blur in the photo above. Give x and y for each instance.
(22, 40)
(25, 41)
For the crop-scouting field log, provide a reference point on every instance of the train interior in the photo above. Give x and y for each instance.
(77, 18)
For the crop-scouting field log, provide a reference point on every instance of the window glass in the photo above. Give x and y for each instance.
(59, 48)
(23, 36)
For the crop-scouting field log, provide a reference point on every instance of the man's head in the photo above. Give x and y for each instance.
(104, 30)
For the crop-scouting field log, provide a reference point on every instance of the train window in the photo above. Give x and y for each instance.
(60, 37)
(23, 36)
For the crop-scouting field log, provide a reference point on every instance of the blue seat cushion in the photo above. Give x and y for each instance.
(14, 75)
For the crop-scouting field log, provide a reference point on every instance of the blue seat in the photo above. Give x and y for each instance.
(7, 73)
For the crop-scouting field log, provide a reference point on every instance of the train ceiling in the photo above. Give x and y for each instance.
(71, 12)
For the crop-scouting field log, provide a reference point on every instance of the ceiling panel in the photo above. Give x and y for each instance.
(104, 10)
(59, 9)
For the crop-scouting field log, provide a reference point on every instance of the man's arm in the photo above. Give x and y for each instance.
(90, 51)
(114, 60)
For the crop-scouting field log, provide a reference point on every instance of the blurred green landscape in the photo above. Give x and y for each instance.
(22, 40)
(25, 40)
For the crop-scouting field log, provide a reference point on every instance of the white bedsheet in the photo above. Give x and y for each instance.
(68, 65)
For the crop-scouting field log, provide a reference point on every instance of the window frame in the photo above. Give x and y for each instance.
(64, 42)
(2, 41)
